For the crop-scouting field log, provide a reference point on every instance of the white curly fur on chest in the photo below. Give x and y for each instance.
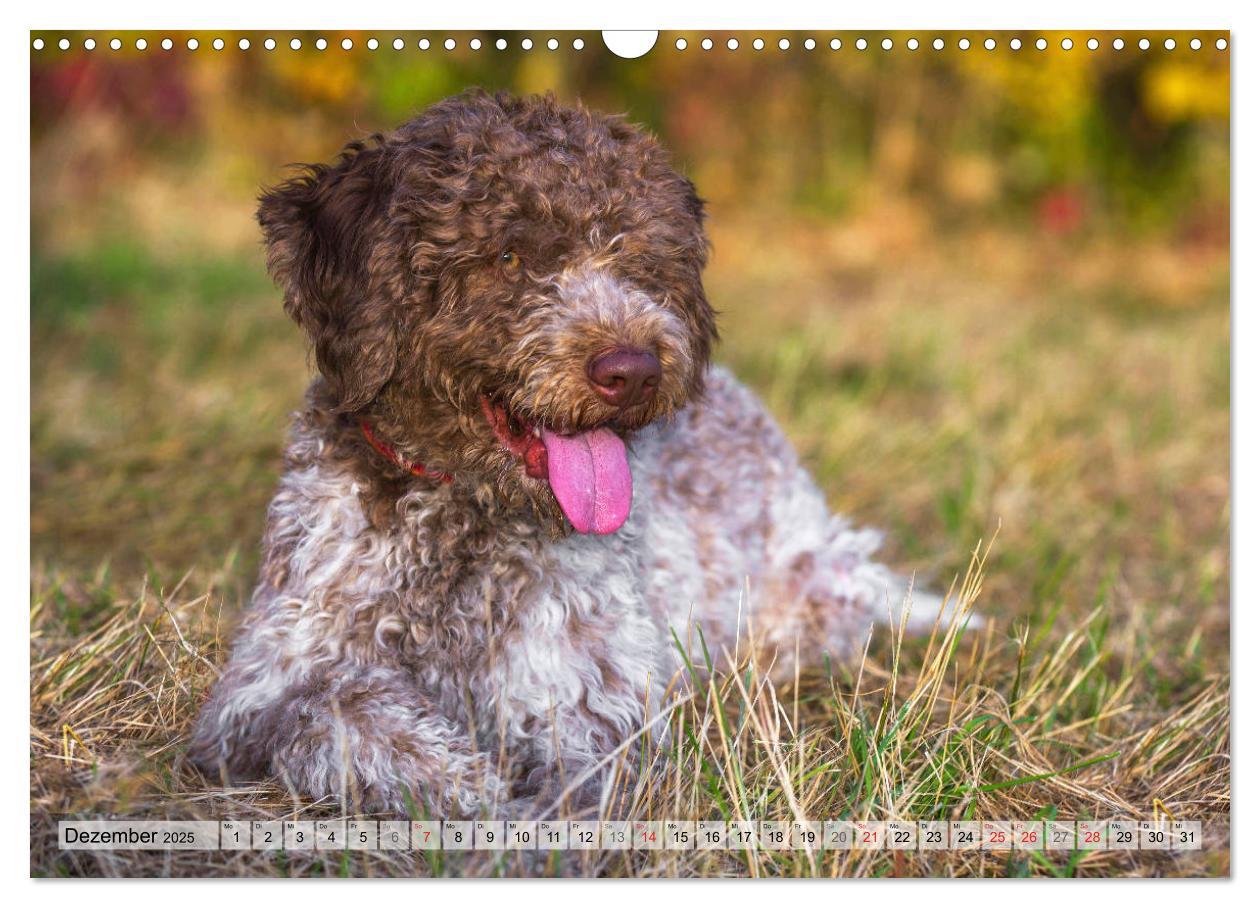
(538, 632)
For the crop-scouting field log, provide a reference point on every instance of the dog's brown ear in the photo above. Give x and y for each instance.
(695, 205)
(325, 237)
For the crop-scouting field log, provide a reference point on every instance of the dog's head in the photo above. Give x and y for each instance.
(507, 288)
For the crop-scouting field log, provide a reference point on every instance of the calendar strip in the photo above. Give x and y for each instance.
(631, 835)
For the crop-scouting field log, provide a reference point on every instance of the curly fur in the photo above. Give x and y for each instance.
(455, 645)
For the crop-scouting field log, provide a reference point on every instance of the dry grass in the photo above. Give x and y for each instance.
(1084, 413)
(879, 740)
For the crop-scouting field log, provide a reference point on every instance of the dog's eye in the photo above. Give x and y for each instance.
(510, 260)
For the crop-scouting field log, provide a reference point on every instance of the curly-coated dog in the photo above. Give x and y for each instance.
(516, 477)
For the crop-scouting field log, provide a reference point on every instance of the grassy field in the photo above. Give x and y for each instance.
(1043, 425)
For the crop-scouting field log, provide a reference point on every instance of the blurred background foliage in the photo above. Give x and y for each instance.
(1072, 141)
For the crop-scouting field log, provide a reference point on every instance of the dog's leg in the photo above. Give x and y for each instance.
(597, 737)
(825, 591)
(363, 735)
(577, 781)
(748, 551)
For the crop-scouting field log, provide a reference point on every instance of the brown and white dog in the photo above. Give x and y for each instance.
(516, 476)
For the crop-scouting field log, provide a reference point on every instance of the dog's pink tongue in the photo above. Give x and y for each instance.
(590, 476)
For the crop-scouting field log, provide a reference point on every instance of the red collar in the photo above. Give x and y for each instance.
(387, 451)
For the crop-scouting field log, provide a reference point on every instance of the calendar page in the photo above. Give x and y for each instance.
(684, 453)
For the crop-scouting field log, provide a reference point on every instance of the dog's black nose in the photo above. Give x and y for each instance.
(624, 377)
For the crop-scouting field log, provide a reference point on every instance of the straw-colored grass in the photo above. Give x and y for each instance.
(1047, 440)
(879, 740)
